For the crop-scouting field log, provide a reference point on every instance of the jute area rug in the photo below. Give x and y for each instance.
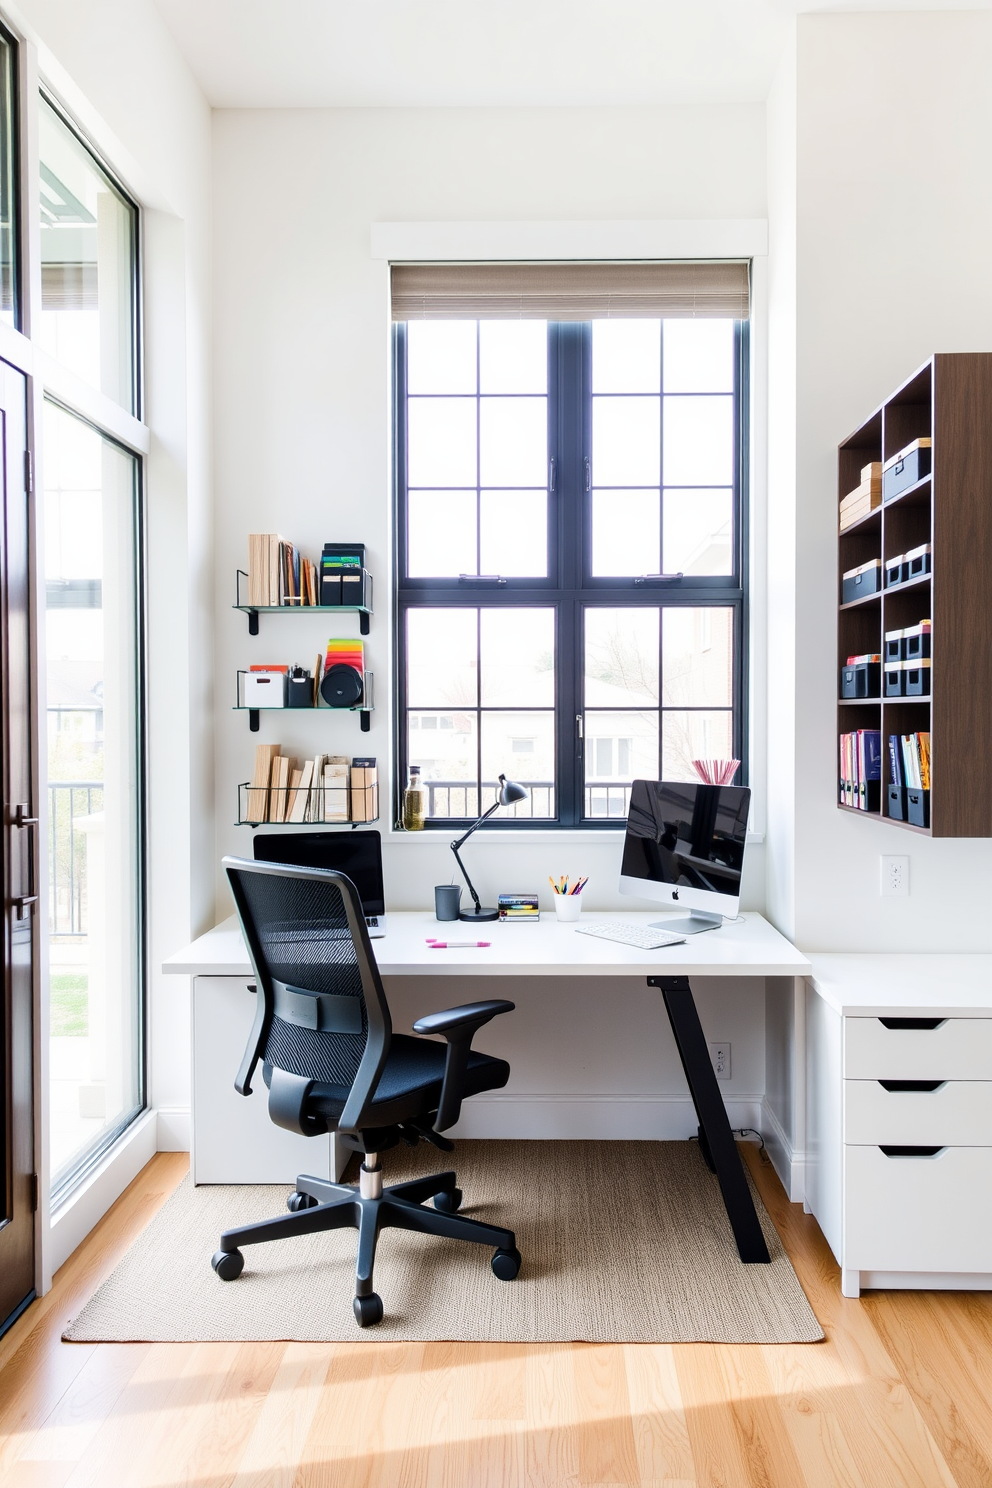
(621, 1242)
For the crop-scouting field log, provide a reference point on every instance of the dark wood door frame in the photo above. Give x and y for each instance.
(18, 1180)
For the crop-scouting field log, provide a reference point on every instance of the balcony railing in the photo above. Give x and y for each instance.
(459, 800)
(68, 800)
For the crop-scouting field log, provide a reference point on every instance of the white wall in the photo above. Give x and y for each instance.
(893, 222)
(302, 369)
(302, 400)
(115, 67)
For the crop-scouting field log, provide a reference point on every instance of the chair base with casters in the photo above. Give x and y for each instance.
(368, 1207)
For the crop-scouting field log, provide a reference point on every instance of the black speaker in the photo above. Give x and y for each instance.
(341, 686)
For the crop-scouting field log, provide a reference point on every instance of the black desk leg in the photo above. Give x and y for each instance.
(713, 1121)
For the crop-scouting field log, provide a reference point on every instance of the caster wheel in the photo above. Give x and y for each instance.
(228, 1264)
(448, 1203)
(297, 1201)
(368, 1310)
(506, 1264)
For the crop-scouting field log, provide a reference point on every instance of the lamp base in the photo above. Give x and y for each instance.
(478, 915)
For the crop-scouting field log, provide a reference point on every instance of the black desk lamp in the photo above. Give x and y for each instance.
(509, 792)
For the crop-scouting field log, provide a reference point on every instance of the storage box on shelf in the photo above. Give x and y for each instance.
(923, 559)
(247, 693)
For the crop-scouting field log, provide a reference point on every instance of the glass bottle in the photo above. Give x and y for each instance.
(414, 802)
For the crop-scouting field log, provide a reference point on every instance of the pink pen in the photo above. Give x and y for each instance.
(450, 945)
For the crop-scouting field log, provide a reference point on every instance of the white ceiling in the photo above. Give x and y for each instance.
(395, 53)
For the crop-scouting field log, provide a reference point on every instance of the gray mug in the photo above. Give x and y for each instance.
(447, 898)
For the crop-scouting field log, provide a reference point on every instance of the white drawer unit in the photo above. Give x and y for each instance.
(899, 1118)
(898, 1203)
(948, 1113)
(911, 1046)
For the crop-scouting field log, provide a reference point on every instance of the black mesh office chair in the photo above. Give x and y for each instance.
(332, 1063)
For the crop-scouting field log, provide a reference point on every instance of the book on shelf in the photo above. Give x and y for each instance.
(861, 769)
(327, 788)
(364, 789)
(909, 760)
(278, 573)
(258, 791)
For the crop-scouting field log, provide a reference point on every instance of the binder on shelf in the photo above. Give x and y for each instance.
(342, 568)
(861, 769)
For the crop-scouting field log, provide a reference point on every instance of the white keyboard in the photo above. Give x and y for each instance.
(633, 935)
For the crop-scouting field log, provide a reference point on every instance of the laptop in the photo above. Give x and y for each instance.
(356, 854)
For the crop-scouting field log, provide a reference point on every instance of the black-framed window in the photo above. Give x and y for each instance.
(571, 577)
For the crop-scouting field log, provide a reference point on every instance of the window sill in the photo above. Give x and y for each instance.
(538, 834)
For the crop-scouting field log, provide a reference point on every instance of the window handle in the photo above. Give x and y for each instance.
(588, 467)
(481, 579)
(662, 580)
(578, 725)
(552, 472)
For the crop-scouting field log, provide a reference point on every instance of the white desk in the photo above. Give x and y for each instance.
(233, 1140)
(749, 948)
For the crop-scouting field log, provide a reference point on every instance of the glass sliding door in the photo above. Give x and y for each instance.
(93, 701)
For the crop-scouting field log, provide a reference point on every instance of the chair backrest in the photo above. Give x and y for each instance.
(322, 1012)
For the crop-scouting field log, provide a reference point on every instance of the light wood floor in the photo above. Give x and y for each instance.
(898, 1395)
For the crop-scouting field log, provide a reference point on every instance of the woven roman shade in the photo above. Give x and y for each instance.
(713, 289)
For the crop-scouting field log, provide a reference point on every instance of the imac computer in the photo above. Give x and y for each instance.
(685, 846)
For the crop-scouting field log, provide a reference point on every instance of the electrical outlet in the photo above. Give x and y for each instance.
(895, 877)
(720, 1055)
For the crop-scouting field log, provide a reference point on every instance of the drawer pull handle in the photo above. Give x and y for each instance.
(911, 1151)
(926, 1085)
(925, 1024)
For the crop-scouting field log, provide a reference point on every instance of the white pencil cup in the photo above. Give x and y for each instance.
(568, 907)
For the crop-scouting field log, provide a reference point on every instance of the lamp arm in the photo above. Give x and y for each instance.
(460, 842)
(471, 887)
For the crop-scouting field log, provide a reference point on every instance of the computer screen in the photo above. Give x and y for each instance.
(357, 854)
(685, 844)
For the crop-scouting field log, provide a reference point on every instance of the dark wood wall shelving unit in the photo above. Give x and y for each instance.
(949, 400)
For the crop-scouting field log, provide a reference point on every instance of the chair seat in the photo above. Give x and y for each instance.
(410, 1084)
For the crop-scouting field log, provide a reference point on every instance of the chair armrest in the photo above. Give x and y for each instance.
(256, 1041)
(466, 1019)
(457, 1025)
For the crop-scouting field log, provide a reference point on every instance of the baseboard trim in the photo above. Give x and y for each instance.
(174, 1128)
(789, 1164)
(87, 1204)
(583, 1117)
